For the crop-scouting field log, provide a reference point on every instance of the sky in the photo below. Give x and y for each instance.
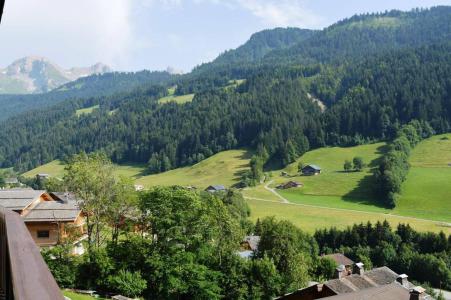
(131, 35)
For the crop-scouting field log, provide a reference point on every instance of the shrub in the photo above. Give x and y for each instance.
(127, 283)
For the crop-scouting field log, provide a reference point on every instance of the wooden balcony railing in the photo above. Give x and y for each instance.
(23, 273)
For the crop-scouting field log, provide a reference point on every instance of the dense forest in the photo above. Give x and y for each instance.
(367, 97)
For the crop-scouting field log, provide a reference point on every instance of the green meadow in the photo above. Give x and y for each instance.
(333, 198)
(177, 99)
(86, 111)
(223, 168)
(427, 191)
(313, 218)
(56, 169)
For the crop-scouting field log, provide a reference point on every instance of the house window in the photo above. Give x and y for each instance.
(43, 234)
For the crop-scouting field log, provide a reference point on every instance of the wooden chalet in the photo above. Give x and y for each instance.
(215, 188)
(288, 185)
(341, 260)
(310, 170)
(50, 218)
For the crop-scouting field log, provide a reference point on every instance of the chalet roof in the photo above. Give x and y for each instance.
(120, 297)
(11, 180)
(64, 196)
(375, 277)
(392, 291)
(377, 284)
(53, 211)
(382, 275)
(340, 259)
(18, 199)
(315, 167)
(253, 241)
(245, 253)
(217, 187)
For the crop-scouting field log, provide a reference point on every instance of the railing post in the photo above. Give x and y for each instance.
(24, 274)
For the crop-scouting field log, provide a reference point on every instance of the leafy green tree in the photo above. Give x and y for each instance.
(325, 268)
(347, 166)
(290, 249)
(264, 279)
(95, 269)
(188, 234)
(91, 178)
(62, 264)
(358, 163)
(129, 284)
(122, 207)
(2, 180)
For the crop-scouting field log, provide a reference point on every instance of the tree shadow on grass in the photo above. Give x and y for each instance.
(366, 190)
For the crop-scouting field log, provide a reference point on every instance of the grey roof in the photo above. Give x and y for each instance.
(381, 276)
(318, 168)
(120, 297)
(375, 277)
(63, 196)
(340, 259)
(53, 211)
(11, 180)
(217, 187)
(376, 284)
(245, 253)
(393, 291)
(18, 199)
(253, 241)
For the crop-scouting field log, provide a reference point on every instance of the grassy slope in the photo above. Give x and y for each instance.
(178, 99)
(427, 190)
(312, 218)
(331, 191)
(87, 110)
(334, 189)
(75, 296)
(223, 168)
(56, 169)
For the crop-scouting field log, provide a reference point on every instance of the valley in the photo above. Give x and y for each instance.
(300, 156)
(333, 198)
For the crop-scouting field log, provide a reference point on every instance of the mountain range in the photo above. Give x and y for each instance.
(34, 74)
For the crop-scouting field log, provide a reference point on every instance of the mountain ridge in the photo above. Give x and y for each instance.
(37, 74)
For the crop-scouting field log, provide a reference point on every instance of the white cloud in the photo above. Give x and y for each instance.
(275, 12)
(282, 12)
(99, 29)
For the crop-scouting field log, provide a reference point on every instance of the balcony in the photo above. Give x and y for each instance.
(23, 273)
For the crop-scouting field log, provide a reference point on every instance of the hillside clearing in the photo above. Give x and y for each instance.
(427, 190)
(313, 218)
(426, 193)
(223, 168)
(171, 97)
(75, 296)
(56, 169)
(333, 187)
(86, 111)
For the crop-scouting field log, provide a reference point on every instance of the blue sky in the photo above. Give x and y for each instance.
(155, 34)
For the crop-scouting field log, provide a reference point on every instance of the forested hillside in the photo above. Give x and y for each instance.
(91, 86)
(262, 43)
(368, 97)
